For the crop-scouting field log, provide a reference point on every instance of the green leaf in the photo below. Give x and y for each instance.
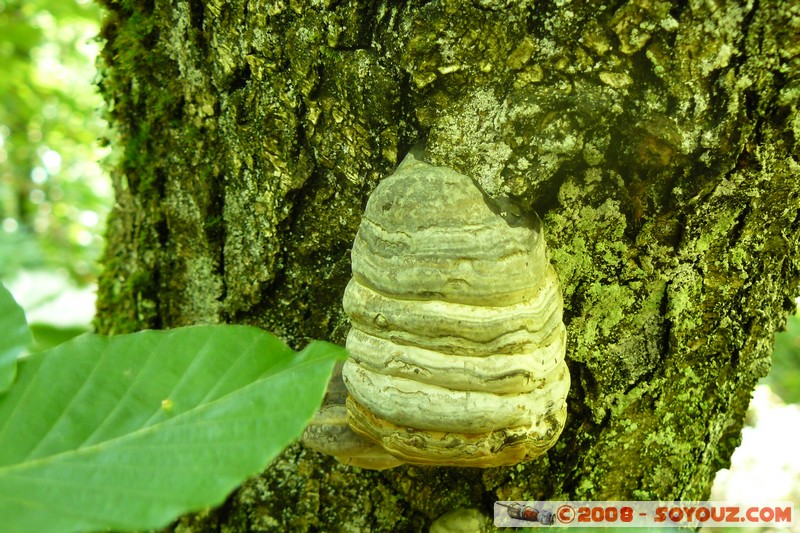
(46, 336)
(15, 337)
(130, 432)
(784, 376)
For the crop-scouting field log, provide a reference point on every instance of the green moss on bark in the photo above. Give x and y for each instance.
(658, 143)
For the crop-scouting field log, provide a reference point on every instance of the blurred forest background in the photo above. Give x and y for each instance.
(53, 195)
(54, 198)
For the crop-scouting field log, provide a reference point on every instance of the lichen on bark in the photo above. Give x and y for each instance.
(659, 143)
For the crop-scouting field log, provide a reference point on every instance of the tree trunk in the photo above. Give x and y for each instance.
(659, 144)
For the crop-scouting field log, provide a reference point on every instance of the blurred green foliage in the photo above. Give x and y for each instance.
(53, 195)
(784, 376)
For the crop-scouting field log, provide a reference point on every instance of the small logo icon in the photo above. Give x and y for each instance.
(529, 513)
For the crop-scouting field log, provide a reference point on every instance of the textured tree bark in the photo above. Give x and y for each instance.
(658, 143)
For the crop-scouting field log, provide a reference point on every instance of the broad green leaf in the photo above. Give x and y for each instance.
(47, 336)
(130, 432)
(15, 337)
(784, 376)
